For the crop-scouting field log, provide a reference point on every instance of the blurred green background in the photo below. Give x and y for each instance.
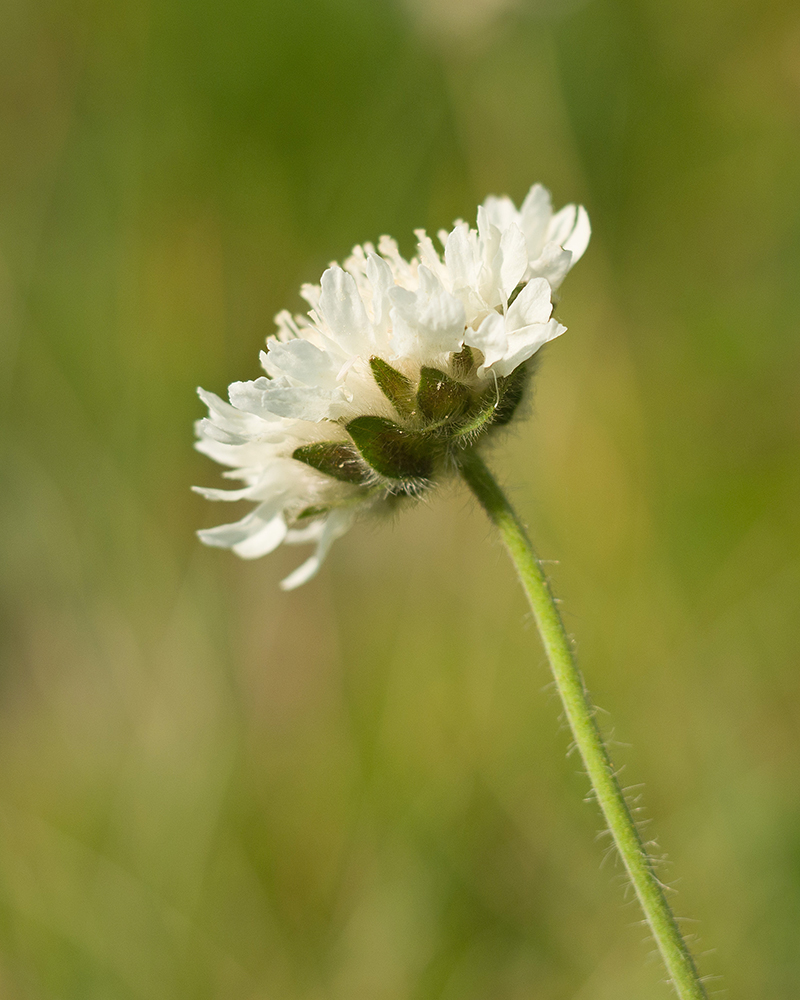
(212, 789)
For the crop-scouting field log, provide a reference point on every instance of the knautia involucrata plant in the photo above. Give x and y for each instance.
(392, 381)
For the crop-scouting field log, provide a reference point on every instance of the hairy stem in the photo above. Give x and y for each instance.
(581, 716)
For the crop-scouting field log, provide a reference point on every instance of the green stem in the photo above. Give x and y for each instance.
(581, 716)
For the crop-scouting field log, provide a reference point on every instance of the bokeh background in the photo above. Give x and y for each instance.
(212, 789)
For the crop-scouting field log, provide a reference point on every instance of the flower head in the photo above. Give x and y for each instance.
(397, 366)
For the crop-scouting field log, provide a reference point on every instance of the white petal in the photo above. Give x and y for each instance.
(226, 536)
(427, 323)
(266, 540)
(552, 264)
(311, 294)
(269, 398)
(252, 454)
(501, 212)
(308, 403)
(217, 405)
(513, 260)
(225, 454)
(490, 338)
(305, 572)
(355, 265)
(287, 326)
(524, 343)
(532, 305)
(402, 270)
(303, 536)
(563, 227)
(440, 313)
(212, 494)
(461, 256)
(302, 361)
(405, 339)
(535, 215)
(249, 397)
(206, 428)
(344, 312)
(579, 238)
(336, 524)
(489, 276)
(269, 484)
(428, 255)
(228, 417)
(382, 280)
(272, 482)
(486, 227)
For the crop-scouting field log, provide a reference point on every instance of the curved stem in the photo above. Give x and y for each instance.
(581, 716)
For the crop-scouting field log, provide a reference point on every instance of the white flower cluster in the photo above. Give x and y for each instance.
(397, 365)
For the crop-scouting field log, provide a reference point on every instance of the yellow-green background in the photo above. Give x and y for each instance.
(212, 789)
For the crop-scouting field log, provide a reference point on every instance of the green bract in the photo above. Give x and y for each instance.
(398, 389)
(439, 416)
(334, 459)
(391, 450)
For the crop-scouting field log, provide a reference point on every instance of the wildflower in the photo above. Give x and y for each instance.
(397, 367)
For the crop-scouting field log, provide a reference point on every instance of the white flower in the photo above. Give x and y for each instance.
(554, 243)
(396, 367)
